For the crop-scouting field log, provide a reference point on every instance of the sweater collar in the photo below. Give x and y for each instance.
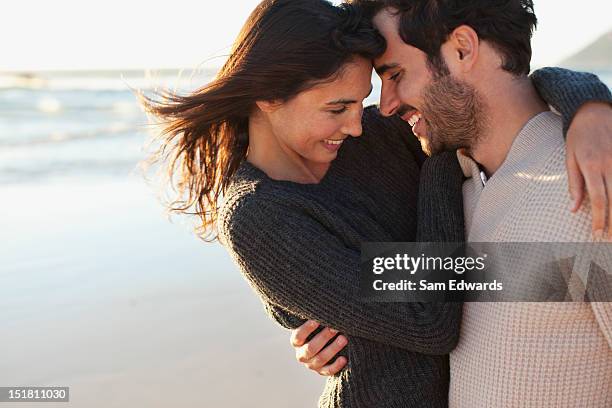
(537, 134)
(538, 139)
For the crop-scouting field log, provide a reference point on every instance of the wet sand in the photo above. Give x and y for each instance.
(101, 293)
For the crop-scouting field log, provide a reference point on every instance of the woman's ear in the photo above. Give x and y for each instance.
(268, 106)
(463, 47)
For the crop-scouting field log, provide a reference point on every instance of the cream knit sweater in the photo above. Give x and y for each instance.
(530, 354)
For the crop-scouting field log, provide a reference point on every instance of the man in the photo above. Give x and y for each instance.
(457, 72)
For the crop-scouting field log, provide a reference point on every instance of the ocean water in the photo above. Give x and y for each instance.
(76, 125)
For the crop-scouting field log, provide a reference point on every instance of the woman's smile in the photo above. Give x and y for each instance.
(333, 145)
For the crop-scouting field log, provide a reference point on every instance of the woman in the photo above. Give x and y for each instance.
(274, 137)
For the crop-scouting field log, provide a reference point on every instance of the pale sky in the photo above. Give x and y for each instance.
(77, 34)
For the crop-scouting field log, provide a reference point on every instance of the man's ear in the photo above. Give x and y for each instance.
(268, 106)
(462, 49)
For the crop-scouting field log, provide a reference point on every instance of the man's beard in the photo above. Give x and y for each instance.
(454, 113)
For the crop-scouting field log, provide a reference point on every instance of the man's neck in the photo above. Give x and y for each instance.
(510, 105)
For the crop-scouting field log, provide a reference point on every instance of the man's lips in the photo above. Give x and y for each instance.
(414, 119)
(408, 114)
(420, 128)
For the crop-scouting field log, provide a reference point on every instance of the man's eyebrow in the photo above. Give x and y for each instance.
(385, 67)
(348, 101)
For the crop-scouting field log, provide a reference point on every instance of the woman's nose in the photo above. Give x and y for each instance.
(353, 126)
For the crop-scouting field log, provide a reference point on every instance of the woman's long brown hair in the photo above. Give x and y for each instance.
(284, 48)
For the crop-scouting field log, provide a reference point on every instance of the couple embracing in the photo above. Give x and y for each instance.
(278, 157)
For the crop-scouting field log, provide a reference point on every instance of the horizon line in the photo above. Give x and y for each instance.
(18, 71)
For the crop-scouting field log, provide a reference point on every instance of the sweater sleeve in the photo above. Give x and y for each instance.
(297, 265)
(440, 209)
(567, 90)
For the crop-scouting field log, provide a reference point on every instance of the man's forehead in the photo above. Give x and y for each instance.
(386, 62)
(388, 26)
(387, 23)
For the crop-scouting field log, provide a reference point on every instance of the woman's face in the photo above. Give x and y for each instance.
(312, 125)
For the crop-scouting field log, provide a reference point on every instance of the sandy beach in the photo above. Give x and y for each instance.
(99, 292)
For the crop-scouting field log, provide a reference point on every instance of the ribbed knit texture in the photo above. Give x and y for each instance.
(440, 200)
(530, 354)
(582, 86)
(299, 248)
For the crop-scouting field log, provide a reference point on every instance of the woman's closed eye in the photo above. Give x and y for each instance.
(339, 111)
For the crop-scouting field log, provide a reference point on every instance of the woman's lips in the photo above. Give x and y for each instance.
(333, 145)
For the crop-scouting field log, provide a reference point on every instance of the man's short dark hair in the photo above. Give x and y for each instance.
(426, 24)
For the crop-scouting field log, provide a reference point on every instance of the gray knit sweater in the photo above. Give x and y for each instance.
(299, 248)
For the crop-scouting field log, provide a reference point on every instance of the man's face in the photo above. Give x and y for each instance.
(444, 113)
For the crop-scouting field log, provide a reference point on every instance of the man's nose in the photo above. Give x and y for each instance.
(389, 101)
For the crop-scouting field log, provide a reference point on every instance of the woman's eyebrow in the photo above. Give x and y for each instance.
(348, 101)
(341, 102)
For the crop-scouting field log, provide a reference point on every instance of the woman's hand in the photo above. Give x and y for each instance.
(589, 162)
(313, 354)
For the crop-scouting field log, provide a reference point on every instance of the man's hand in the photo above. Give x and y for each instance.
(589, 162)
(312, 354)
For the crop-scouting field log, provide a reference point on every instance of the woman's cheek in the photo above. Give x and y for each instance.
(330, 129)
